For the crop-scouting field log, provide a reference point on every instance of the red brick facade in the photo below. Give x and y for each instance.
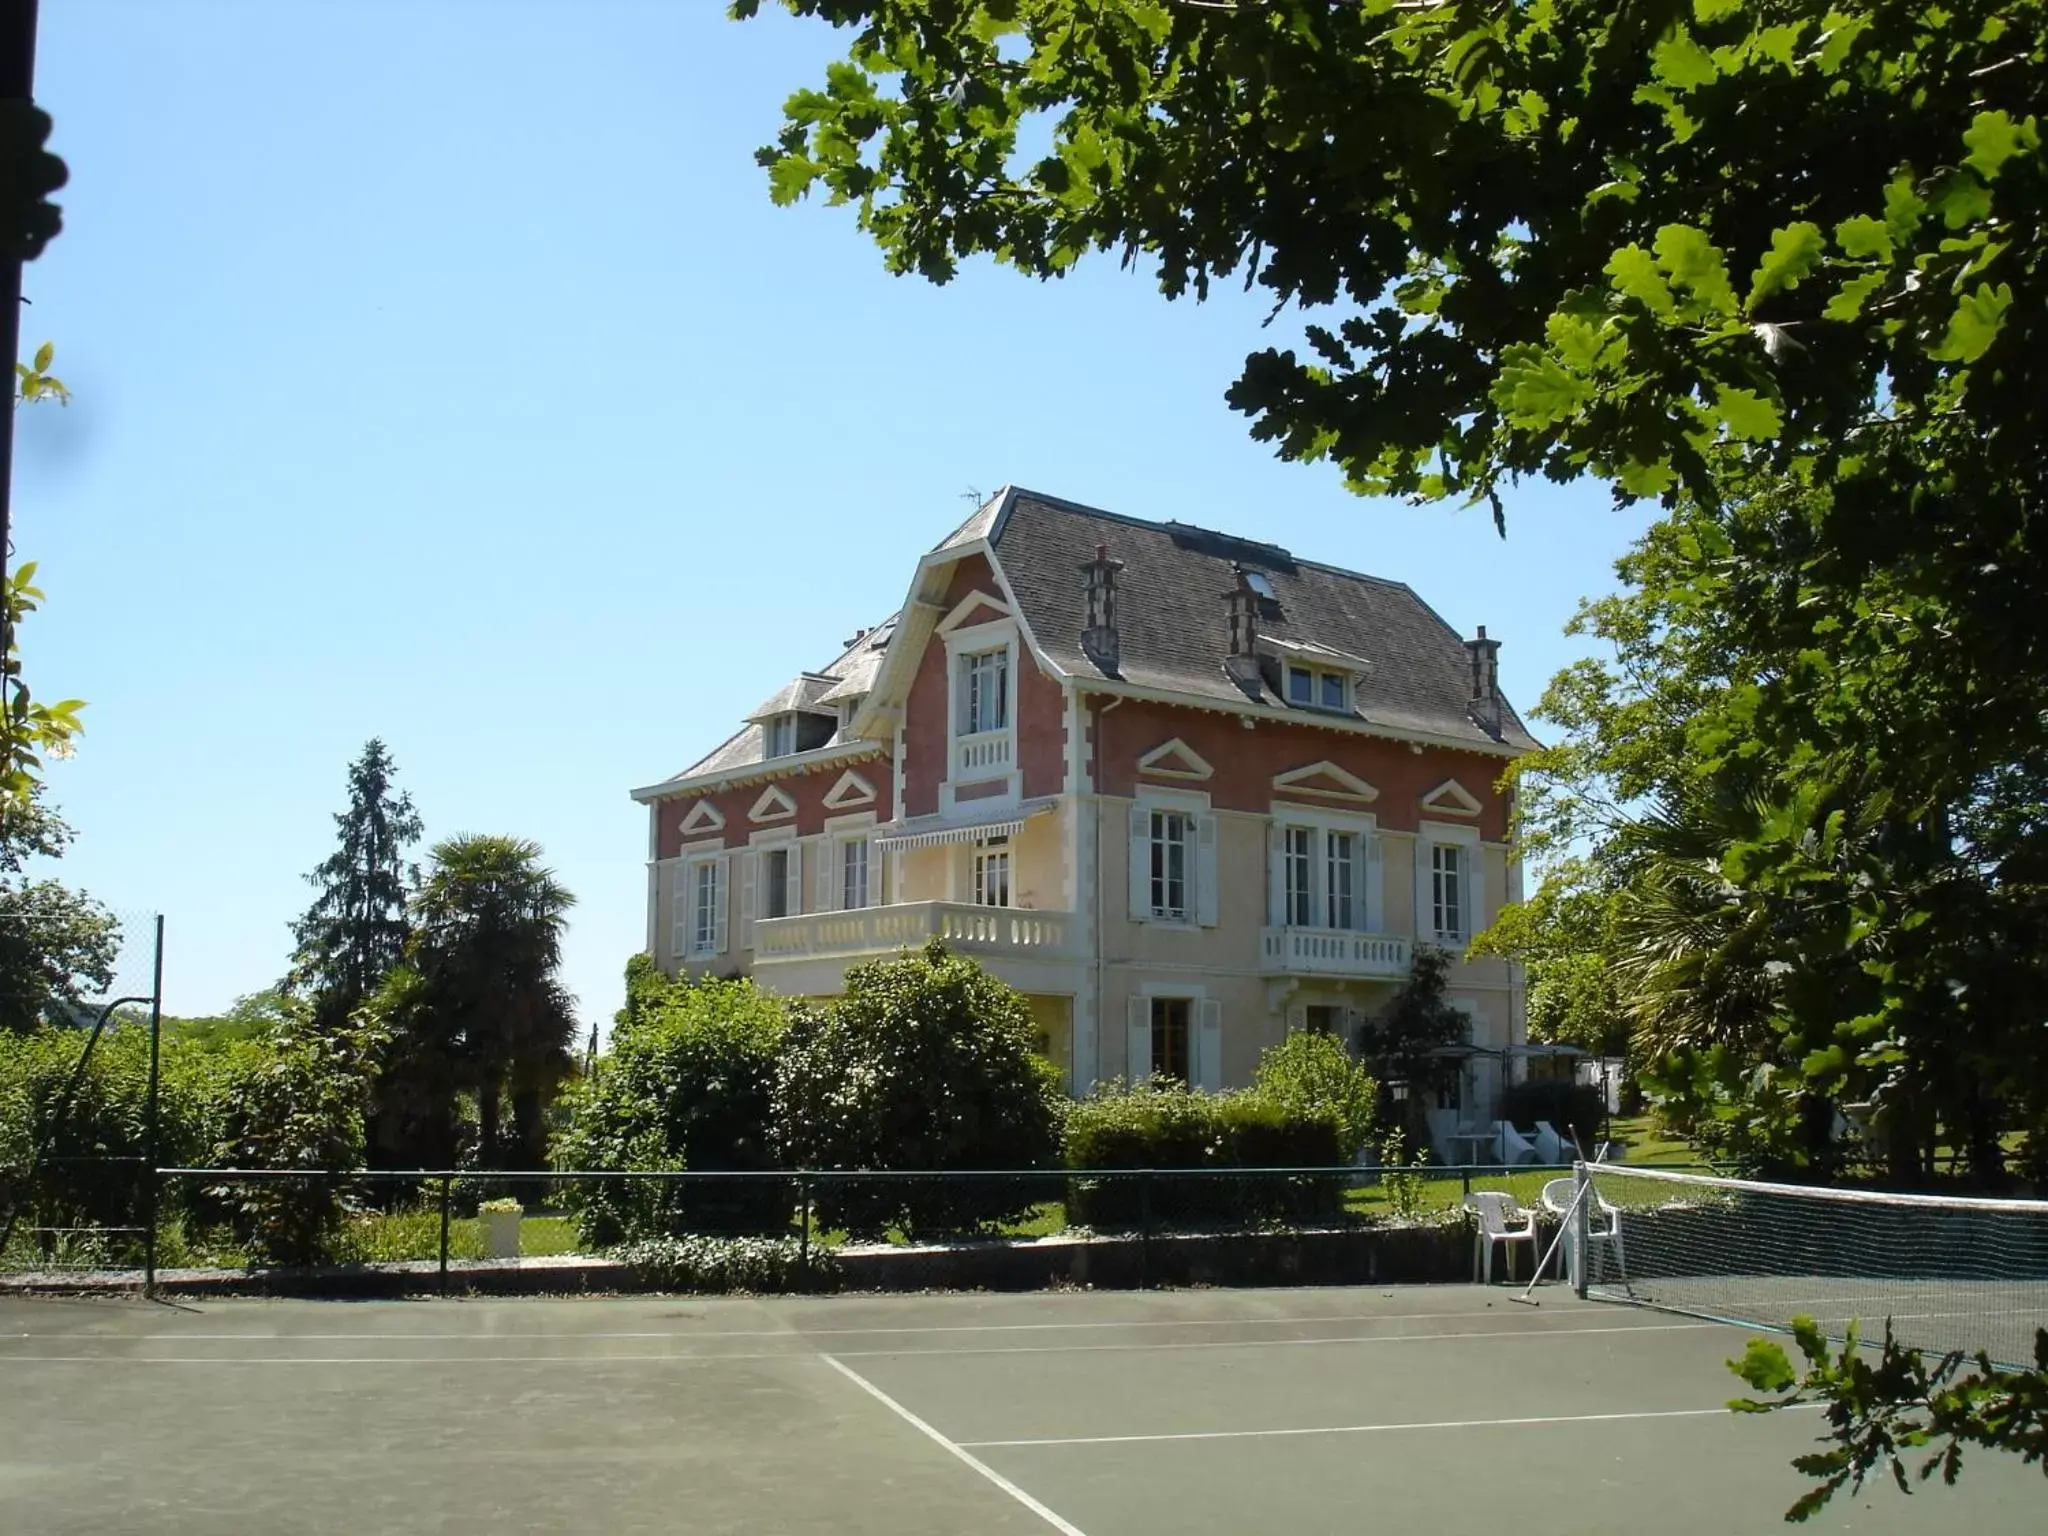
(1245, 762)
(808, 790)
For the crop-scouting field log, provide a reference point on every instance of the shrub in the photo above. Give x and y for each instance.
(1166, 1125)
(720, 1264)
(89, 1169)
(926, 1062)
(295, 1099)
(1569, 1107)
(688, 1083)
(1310, 1074)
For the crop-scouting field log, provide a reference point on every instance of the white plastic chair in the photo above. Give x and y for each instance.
(1495, 1212)
(1511, 1145)
(1603, 1222)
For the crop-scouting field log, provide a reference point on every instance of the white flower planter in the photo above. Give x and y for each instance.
(501, 1234)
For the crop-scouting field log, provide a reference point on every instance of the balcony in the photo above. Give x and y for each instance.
(966, 929)
(1332, 952)
(982, 754)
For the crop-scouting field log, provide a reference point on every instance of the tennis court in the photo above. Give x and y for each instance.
(1444, 1409)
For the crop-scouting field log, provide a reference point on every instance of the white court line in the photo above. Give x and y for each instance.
(1363, 1429)
(1064, 1527)
(792, 1332)
(850, 1354)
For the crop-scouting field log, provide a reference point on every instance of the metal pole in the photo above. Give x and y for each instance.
(1145, 1230)
(151, 1124)
(803, 1241)
(445, 1183)
(17, 83)
(1582, 1237)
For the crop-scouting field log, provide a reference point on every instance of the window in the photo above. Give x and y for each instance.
(705, 903)
(853, 874)
(1170, 1037)
(1313, 688)
(1300, 893)
(1342, 883)
(992, 875)
(1447, 886)
(985, 691)
(775, 883)
(1170, 836)
(781, 736)
(1323, 1019)
(1260, 583)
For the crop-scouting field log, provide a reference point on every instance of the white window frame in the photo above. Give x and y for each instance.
(690, 914)
(779, 736)
(992, 872)
(1201, 885)
(1431, 836)
(1170, 831)
(997, 748)
(1323, 828)
(856, 873)
(828, 868)
(1205, 1032)
(1318, 678)
(1298, 875)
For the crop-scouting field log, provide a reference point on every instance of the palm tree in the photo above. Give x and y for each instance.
(486, 945)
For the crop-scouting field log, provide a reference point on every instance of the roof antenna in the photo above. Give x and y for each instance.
(973, 494)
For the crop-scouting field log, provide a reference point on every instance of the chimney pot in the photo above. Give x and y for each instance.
(1486, 701)
(1100, 642)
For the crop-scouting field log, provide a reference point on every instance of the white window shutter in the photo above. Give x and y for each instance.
(750, 874)
(1472, 887)
(828, 878)
(1209, 1047)
(793, 875)
(1425, 905)
(1297, 1018)
(721, 896)
(1276, 874)
(1373, 900)
(1205, 869)
(1141, 866)
(1138, 1044)
(682, 886)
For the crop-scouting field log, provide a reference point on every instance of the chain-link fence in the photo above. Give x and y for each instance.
(798, 1230)
(76, 1123)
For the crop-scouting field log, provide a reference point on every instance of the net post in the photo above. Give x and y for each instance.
(1582, 1226)
(151, 1122)
(446, 1183)
(803, 1239)
(1145, 1230)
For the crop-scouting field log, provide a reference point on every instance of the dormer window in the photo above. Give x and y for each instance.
(1314, 688)
(985, 691)
(781, 736)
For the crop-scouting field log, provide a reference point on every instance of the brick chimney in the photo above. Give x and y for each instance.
(1241, 605)
(1099, 641)
(1486, 705)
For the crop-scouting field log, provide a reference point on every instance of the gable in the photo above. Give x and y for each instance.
(703, 817)
(1451, 798)
(1324, 780)
(976, 608)
(1174, 759)
(851, 789)
(774, 805)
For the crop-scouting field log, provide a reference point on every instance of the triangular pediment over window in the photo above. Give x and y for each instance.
(1174, 759)
(1324, 780)
(1451, 798)
(774, 805)
(703, 817)
(975, 608)
(851, 790)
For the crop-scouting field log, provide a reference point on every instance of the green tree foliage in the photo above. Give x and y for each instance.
(296, 1098)
(249, 1018)
(687, 1082)
(57, 946)
(925, 1062)
(1888, 1412)
(355, 930)
(29, 730)
(1408, 1041)
(1533, 239)
(477, 1006)
(1308, 1074)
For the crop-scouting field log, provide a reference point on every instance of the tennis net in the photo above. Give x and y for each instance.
(1967, 1274)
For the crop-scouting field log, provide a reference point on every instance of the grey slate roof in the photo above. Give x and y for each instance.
(811, 690)
(1174, 630)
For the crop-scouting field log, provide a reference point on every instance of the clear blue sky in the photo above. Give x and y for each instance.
(444, 373)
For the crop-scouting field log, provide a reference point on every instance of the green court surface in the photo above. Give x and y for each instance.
(1442, 1409)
